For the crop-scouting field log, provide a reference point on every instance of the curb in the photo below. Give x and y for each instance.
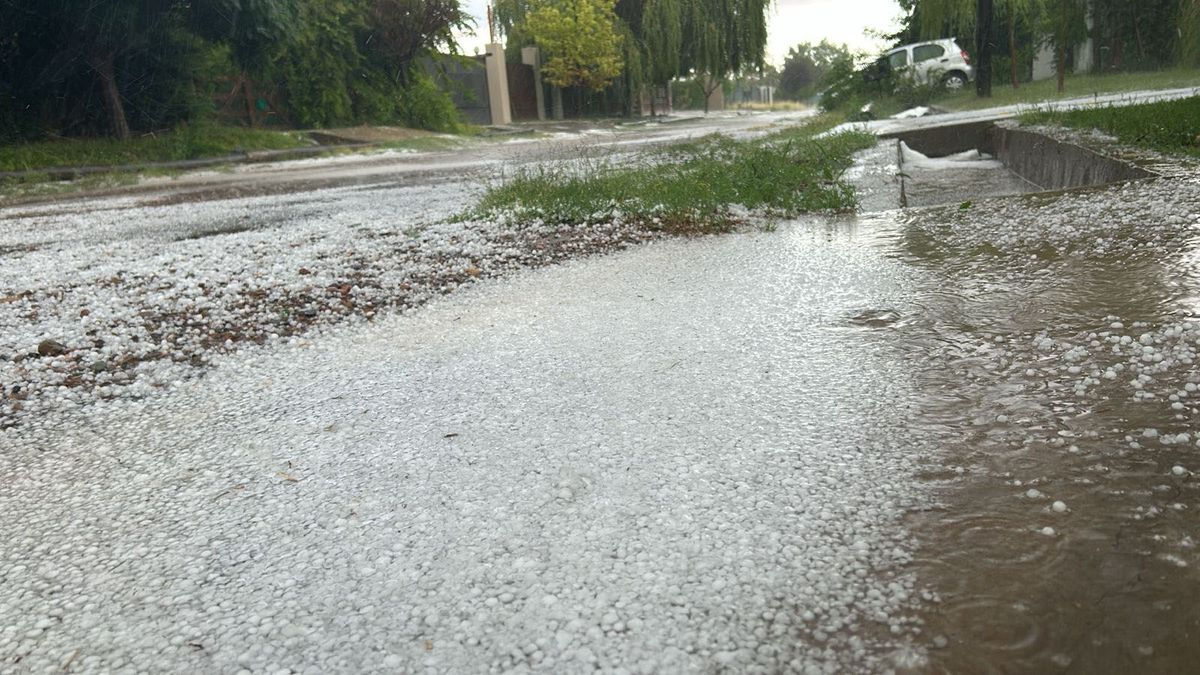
(72, 172)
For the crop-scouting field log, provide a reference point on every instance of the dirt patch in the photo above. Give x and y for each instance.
(18, 249)
(366, 134)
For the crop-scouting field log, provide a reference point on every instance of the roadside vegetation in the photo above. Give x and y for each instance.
(1075, 86)
(1087, 46)
(703, 186)
(185, 142)
(124, 68)
(1168, 126)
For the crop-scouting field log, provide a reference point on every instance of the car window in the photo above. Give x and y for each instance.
(927, 52)
(898, 59)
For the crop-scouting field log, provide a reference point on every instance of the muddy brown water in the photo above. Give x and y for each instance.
(1115, 589)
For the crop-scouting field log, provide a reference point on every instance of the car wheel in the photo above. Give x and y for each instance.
(955, 81)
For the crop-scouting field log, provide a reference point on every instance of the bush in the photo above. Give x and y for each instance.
(424, 106)
(910, 93)
(850, 89)
(320, 63)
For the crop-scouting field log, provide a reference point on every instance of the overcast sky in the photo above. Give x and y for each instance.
(839, 21)
(791, 22)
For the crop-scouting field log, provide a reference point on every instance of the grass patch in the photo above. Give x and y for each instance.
(1167, 126)
(188, 142)
(1076, 86)
(694, 187)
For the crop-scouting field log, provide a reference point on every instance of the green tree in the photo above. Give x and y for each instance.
(579, 39)
(1138, 34)
(939, 18)
(55, 39)
(805, 66)
(723, 37)
(403, 30)
(1189, 32)
(662, 42)
(252, 28)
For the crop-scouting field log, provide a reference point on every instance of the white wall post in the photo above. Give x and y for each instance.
(497, 81)
(530, 57)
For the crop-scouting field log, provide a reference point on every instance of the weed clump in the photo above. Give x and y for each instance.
(709, 185)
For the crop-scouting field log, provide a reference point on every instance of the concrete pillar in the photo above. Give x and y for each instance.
(497, 81)
(530, 57)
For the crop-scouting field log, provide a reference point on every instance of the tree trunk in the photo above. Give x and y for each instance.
(629, 103)
(708, 91)
(1062, 47)
(249, 101)
(104, 67)
(1137, 34)
(556, 102)
(983, 46)
(653, 95)
(1012, 44)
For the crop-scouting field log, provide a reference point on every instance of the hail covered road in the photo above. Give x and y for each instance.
(927, 440)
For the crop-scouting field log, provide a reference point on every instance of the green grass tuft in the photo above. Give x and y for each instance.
(1168, 126)
(691, 187)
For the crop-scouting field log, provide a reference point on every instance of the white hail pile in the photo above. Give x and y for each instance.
(647, 462)
(1141, 218)
(125, 299)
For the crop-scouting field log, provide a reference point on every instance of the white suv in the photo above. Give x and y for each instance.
(928, 62)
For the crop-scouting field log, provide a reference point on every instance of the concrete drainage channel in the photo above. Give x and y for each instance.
(963, 162)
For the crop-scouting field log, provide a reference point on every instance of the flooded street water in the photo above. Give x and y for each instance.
(1067, 515)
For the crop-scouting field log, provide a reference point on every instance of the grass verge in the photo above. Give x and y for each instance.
(1076, 86)
(190, 142)
(1168, 126)
(695, 187)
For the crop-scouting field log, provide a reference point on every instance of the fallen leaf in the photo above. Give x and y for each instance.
(287, 477)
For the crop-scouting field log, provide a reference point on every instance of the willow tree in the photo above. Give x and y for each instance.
(403, 30)
(937, 17)
(656, 39)
(723, 37)
(1189, 32)
(662, 26)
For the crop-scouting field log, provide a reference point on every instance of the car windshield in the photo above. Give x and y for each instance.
(898, 59)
